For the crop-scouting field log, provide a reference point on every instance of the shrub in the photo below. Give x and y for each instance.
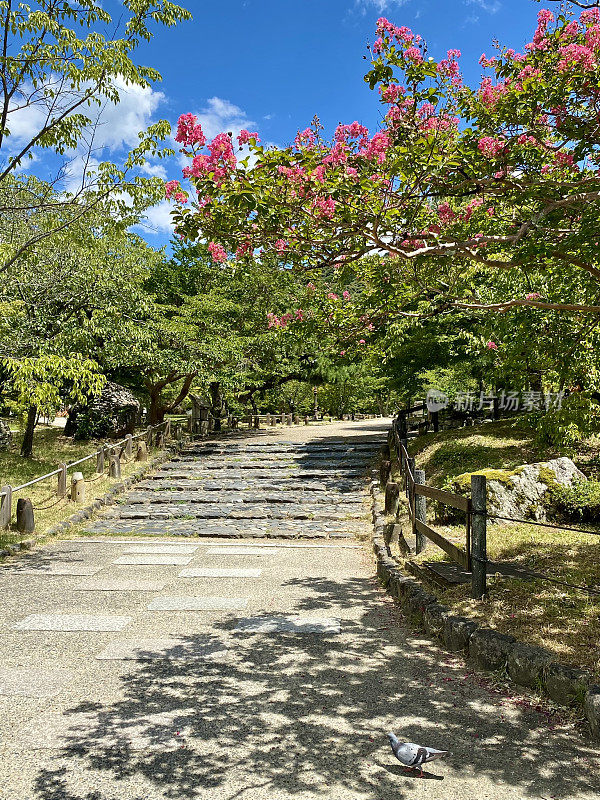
(579, 502)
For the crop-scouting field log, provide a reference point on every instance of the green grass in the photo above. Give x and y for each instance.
(500, 445)
(564, 620)
(51, 448)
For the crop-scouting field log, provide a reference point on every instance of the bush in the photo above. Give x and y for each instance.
(579, 502)
(565, 427)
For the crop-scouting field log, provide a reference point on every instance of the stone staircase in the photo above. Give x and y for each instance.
(253, 488)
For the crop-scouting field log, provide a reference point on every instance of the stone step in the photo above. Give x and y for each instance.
(240, 511)
(172, 496)
(276, 529)
(294, 447)
(239, 485)
(177, 472)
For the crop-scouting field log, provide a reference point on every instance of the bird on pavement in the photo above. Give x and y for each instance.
(413, 756)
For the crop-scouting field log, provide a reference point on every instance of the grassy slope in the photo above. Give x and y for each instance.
(50, 448)
(564, 620)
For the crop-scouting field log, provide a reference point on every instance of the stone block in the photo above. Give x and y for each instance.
(565, 684)
(72, 622)
(198, 604)
(457, 633)
(489, 649)
(288, 625)
(527, 664)
(591, 709)
(433, 619)
(415, 604)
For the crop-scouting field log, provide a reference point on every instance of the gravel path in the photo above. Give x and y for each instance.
(140, 666)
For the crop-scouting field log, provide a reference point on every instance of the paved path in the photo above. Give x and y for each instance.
(145, 667)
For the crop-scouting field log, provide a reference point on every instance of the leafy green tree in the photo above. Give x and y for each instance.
(60, 63)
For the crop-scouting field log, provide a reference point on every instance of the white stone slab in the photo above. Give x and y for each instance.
(218, 572)
(118, 585)
(175, 561)
(29, 682)
(239, 551)
(53, 569)
(164, 549)
(289, 625)
(197, 603)
(72, 622)
(179, 648)
(102, 731)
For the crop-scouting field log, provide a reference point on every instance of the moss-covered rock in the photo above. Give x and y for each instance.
(529, 491)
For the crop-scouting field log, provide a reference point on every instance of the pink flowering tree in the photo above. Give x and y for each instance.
(460, 190)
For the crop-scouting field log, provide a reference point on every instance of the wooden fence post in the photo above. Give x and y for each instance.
(435, 418)
(257, 422)
(78, 488)
(129, 446)
(168, 429)
(6, 507)
(62, 480)
(142, 451)
(478, 536)
(410, 465)
(25, 517)
(392, 495)
(99, 462)
(420, 512)
(114, 466)
(149, 435)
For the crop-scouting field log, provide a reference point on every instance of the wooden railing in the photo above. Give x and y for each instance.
(472, 557)
(108, 456)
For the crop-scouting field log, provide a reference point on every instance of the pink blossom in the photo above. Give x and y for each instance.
(170, 188)
(492, 346)
(342, 352)
(413, 54)
(188, 132)
(299, 315)
(311, 287)
(491, 147)
(485, 61)
(217, 252)
(353, 131)
(361, 341)
(445, 213)
(346, 294)
(332, 296)
(391, 93)
(245, 136)
(576, 55)
(324, 207)
(305, 139)
(280, 245)
(376, 149)
(590, 15)
(181, 197)
(533, 296)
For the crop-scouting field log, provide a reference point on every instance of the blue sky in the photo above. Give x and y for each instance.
(271, 65)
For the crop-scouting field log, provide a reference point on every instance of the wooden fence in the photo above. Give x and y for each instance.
(205, 423)
(108, 457)
(472, 557)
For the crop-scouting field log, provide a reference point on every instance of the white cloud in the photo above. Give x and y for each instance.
(379, 5)
(221, 115)
(157, 219)
(491, 6)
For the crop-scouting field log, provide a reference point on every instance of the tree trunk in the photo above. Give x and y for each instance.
(216, 400)
(156, 412)
(27, 446)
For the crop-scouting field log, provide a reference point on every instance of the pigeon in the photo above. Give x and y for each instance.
(413, 756)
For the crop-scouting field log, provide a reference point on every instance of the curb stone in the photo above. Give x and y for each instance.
(526, 665)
